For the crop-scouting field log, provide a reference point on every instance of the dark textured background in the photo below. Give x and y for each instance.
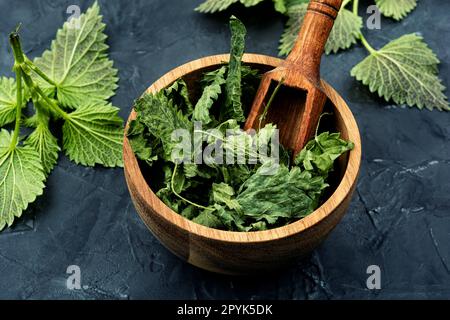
(399, 218)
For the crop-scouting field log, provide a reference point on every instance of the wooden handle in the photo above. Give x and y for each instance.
(313, 36)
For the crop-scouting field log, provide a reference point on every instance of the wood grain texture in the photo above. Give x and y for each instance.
(236, 252)
(296, 109)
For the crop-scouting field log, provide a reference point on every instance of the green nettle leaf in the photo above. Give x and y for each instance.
(343, 35)
(396, 9)
(345, 32)
(179, 93)
(139, 143)
(82, 78)
(405, 70)
(211, 6)
(46, 145)
(93, 134)
(296, 15)
(320, 153)
(280, 6)
(283, 195)
(290, 3)
(208, 219)
(5, 139)
(233, 104)
(250, 3)
(232, 219)
(8, 100)
(162, 118)
(250, 83)
(21, 179)
(190, 170)
(190, 212)
(210, 94)
(224, 194)
(78, 63)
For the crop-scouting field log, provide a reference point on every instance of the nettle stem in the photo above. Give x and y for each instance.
(19, 99)
(49, 103)
(21, 63)
(18, 59)
(366, 44)
(364, 41)
(263, 116)
(172, 186)
(38, 71)
(355, 6)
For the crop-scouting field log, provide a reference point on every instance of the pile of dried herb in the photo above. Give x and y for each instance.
(242, 196)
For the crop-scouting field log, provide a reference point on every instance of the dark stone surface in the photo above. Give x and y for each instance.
(399, 218)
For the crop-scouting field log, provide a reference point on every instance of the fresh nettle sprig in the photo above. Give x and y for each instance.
(404, 71)
(69, 84)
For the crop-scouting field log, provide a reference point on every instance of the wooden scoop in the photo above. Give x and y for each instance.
(297, 106)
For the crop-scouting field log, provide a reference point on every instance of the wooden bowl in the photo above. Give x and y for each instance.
(245, 252)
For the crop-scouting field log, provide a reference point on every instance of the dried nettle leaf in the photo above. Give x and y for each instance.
(233, 90)
(209, 96)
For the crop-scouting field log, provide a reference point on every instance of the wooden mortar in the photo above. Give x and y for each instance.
(239, 253)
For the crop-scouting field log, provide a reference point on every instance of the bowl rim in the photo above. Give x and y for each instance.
(332, 203)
